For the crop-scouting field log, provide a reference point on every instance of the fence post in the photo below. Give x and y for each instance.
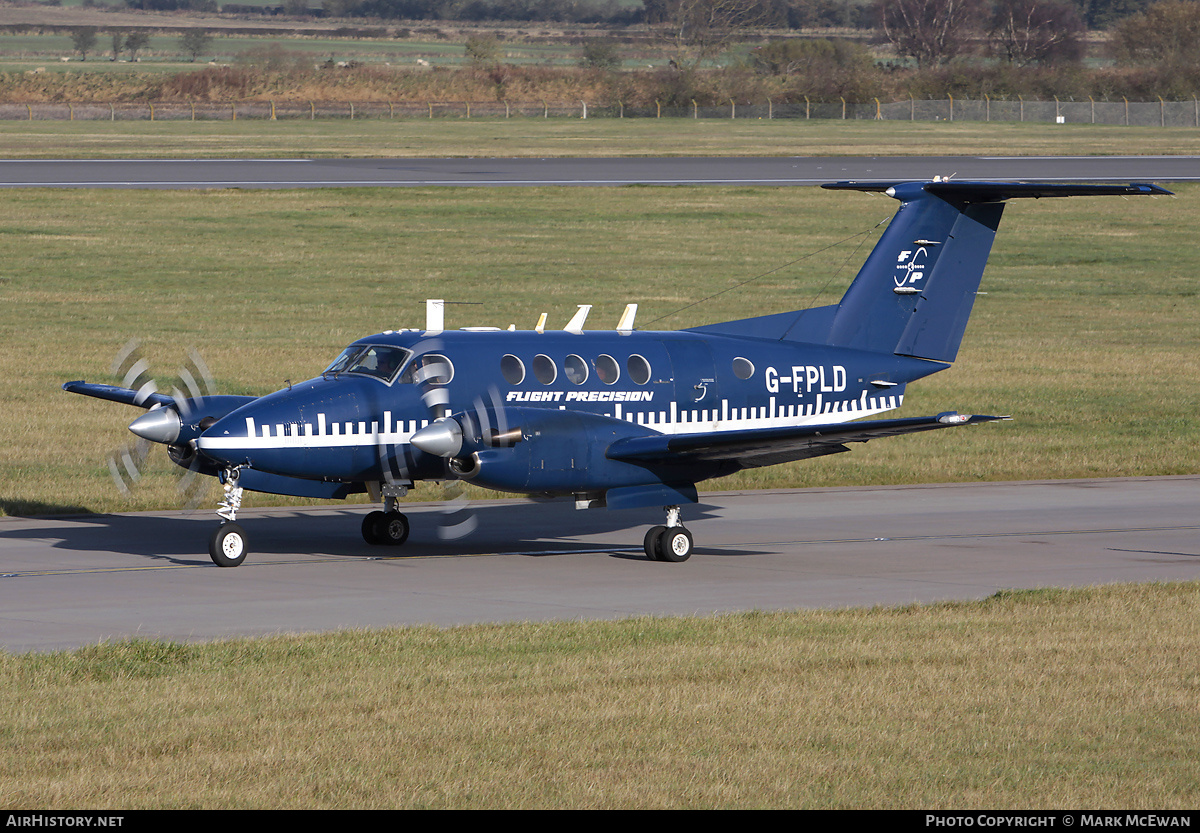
(843, 98)
(351, 111)
(1093, 106)
(391, 110)
(951, 106)
(468, 109)
(770, 110)
(878, 111)
(312, 111)
(1126, 100)
(1162, 112)
(233, 108)
(272, 111)
(193, 111)
(152, 111)
(584, 103)
(431, 109)
(71, 107)
(694, 109)
(658, 107)
(1022, 100)
(545, 110)
(112, 112)
(1057, 110)
(806, 108)
(506, 108)
(621, 108)
(987, 108)
(732, 109)
(30, 109)
(912, 108)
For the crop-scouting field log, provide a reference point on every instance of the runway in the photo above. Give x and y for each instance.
(783, 171)
(69, 582)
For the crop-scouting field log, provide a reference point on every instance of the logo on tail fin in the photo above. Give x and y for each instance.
(910, 267)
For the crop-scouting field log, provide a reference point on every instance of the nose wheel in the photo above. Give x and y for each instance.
(227, 545)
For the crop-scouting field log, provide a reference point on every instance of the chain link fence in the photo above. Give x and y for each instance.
(1145, 113)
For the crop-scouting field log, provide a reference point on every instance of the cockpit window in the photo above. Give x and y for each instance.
(376, 360)
(430, 368)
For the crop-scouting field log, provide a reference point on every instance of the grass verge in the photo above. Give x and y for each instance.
(535, 137)
(1051, 698)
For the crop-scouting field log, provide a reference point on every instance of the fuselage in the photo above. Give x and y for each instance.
(570, 394)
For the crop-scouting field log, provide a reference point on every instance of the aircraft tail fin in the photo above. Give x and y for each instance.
(914, 294)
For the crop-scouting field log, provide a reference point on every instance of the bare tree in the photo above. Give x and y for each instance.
(84, 40)
(194, 42)
(1167, 34)
(700, 30)
(1028, 32)
(118, 43)
(931, 32)
(135, 42)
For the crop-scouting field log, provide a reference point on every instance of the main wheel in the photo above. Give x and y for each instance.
(675, 544)
(653, 543)
(227, 546)
(392, 529)
(370, 527)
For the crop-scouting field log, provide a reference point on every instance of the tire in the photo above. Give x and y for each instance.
(392, 528)
(653, 543)
(227, 546)
(675, 545)
(370, 527)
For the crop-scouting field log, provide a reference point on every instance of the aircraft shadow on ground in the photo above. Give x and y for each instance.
(523, 529)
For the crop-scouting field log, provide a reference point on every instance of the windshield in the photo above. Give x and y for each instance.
(376, 360)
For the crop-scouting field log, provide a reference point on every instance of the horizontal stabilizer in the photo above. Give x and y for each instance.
(766, 446)
(967, 191)
(113, 393)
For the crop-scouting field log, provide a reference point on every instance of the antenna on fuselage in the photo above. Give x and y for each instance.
(625, 325)
(575, 325)
(541, 324)
(435, 316)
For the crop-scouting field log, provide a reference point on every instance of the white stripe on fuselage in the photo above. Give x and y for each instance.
(675, 420)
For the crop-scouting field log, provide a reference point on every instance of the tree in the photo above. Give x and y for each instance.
(1025, 32)
(194, 42)
(84, 40)
(931, 32)
(482, 50)
(600, 54)
(118, 43)
(1166, 34)
(700, 30)
(135, 42)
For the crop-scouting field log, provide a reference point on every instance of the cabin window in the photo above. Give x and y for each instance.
(544, 369)
(513, 369)
(576, 369)
(743, 368)
(607, 369)
(429, 368)
(380, 361)
(639, 369)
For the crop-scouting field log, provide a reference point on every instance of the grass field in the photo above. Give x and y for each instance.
(1086, 334)
(1084, 699)
(535, 137)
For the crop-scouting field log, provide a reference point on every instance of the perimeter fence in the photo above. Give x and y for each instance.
(1159, 113)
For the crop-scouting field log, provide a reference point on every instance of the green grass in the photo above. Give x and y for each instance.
(1086, 334)
(537, 137)
(1078, 699)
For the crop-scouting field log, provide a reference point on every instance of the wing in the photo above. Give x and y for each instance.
(768, 446)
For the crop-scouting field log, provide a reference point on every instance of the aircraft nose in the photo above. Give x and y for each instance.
(161, 425)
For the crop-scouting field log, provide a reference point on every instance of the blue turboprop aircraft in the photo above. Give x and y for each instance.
(620, 418)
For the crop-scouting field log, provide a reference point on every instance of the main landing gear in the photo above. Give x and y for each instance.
(672, 542)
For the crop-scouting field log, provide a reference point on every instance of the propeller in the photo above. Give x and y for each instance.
(450, 430)
(170, 420)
